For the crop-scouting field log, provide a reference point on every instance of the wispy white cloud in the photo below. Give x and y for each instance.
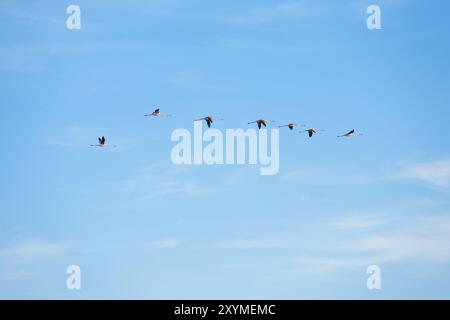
(281, 11)
(32, 251)
(363, 4)
(353, 242)
(436, 173)
(282, 47)
(244, 244)
(156, 8)
(338, 176)
(401, 240)
(164, 243)
(28, 16)
(33, 57)
(156, 183)
(360, 6)
(20, 257)
(327, 265)
(358, 222)
(14, 275)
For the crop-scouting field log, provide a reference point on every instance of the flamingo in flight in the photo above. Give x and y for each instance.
(209, 120)
(102, 143)
(260, 123)
(157, 113)
(291, 126)
(349, 134)
(311, 132)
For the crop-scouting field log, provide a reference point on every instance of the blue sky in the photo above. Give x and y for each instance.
(140, 227)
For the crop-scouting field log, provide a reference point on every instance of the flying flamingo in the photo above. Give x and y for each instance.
(261, 122)
(209, 120)
(157, 113)
(291, 126)
(349, 134)
(102, 144)
(311, 131)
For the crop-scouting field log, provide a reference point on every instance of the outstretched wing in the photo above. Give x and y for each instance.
(103, 140)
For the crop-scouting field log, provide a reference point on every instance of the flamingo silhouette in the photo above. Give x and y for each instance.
(261, 122)
(311, 131)
(157, 113)
(209, 120)
(102, 143)
(291, 126)
(349, 134)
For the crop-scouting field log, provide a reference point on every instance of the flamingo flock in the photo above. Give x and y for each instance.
(260, 123)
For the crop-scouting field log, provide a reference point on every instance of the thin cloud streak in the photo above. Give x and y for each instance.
(353, 242)
(33, 251)
(282, 11)
(436, 173)
(163, 183)
(164, 243)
